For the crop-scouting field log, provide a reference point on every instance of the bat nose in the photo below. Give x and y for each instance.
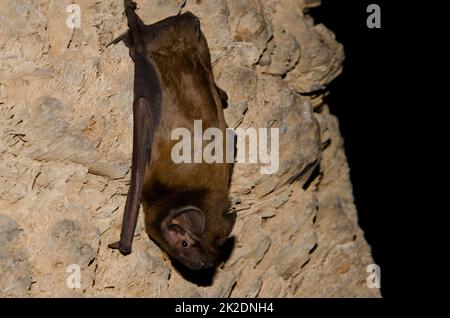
(207, 264)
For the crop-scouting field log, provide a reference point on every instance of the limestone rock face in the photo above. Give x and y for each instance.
(65, 153)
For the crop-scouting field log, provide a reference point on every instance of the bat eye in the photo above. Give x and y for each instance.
(184, 243)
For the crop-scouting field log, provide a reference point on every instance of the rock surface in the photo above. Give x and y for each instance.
(65, 150)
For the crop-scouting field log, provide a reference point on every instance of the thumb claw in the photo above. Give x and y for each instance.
(114, 245)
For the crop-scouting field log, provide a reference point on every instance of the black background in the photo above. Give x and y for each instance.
(364, 99)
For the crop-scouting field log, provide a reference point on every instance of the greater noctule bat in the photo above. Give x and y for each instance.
(186, 206)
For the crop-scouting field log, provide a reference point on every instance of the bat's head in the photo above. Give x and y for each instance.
(184, 233)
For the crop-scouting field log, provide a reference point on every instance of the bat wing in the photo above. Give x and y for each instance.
(146, 114)
(141, 155)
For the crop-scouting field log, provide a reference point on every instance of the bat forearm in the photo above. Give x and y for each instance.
(141, 154)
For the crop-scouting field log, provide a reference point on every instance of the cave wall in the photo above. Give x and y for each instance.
(66, 140)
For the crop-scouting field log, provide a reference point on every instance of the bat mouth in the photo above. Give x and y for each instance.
(201, 265)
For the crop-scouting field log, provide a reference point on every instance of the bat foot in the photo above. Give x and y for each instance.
(122, 250)
(132, 6)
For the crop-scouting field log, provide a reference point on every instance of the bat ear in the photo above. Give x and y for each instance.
(227, 225)
(198, 31)
(190, 218)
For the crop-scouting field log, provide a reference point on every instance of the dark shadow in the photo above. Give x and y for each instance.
(359, 99)
(314, 175)
(205, 277)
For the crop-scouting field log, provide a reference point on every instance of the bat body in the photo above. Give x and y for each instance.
(186, 205)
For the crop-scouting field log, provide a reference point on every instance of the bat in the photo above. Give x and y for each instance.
(186, 205)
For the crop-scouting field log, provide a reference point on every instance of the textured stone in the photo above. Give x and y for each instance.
(15, 278)
(66, 140)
